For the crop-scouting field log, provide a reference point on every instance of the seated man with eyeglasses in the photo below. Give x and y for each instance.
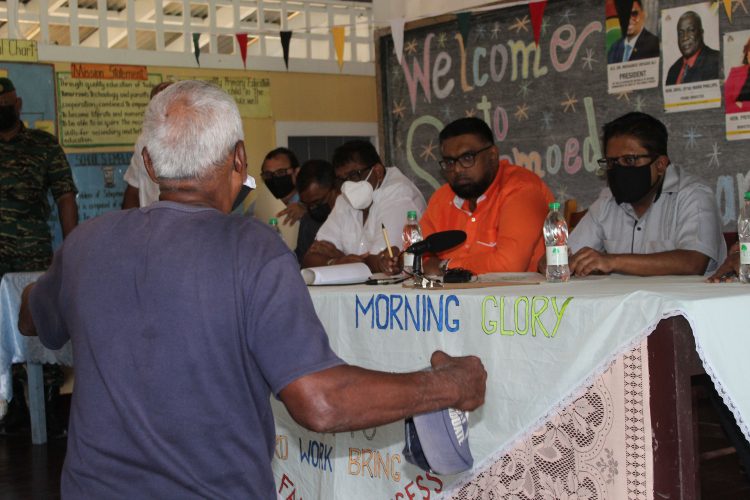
(372, 197)
(500, 206)
(654, 218)
(279, 173)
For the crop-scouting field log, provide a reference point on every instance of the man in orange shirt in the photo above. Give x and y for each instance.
(500, 206)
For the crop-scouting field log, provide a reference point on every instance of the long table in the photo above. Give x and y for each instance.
(544, 346)
(563, 360)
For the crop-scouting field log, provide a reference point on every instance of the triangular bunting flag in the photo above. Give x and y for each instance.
(623, 14)
(464, 23)
(242, 42)
(397, 32)
(196, 45)
(338, 44)
(536, 10)
(728, 8)
(286, 37)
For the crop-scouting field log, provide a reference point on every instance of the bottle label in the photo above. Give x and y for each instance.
(408, 259)
(557, 256)
(744, 253)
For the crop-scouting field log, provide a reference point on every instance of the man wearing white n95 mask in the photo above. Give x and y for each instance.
(372, 197)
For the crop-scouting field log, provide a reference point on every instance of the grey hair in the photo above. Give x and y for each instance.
(190, 128)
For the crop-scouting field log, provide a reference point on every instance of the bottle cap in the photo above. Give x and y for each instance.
(554, 206)
(747, 195)
(412, 214)
(273, 221)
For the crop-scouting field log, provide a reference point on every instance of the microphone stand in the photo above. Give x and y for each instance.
(420, 280)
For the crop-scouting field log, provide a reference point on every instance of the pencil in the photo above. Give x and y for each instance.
(387, 241)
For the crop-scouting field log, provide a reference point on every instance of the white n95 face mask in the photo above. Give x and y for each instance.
(358, 194)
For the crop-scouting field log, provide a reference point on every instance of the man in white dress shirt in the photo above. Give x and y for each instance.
(372, 196)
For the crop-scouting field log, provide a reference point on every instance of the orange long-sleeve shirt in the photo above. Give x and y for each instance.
(504, 233)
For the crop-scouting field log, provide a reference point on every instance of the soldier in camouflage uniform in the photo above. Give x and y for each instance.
(31, 164)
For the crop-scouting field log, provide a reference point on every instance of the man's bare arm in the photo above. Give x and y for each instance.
(68, 210)
(673, 262)
(25, 321)
(350, 398)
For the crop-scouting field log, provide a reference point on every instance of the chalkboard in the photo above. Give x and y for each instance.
(546, 104)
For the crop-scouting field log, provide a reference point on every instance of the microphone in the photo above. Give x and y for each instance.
(438, 242)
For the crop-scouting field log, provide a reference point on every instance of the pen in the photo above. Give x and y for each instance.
(387, 241)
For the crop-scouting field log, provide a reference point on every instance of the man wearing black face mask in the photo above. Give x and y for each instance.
(316, 184)
(279, 172)
(32, 163)
(655, 218)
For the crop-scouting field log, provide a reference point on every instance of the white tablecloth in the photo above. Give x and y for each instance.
(542, 346)
(14, 347)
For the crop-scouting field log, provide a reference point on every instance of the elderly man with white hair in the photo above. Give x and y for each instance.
(179, 314)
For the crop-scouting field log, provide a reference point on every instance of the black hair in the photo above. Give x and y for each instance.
(293, 162)
(650, 132)
(357, 151)
(315, 172)
(695, 16)
(468, 125)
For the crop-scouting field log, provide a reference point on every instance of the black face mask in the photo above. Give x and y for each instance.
(8, 117)
(320, 212)
(280, 186)
(629, 184)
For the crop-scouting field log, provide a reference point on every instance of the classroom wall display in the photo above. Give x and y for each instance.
(737, 84)
(253, 95)
(632, 56)
(101, 111)
(100, 183)
(546, 104)
(691, 62)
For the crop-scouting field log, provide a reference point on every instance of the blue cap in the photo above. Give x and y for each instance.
(439, 441)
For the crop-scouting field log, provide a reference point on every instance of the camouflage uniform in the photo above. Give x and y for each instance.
(30, 164)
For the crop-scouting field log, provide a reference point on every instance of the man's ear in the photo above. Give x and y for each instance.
(149, 165)
(239, 163)
(661, 164)
(19, 106)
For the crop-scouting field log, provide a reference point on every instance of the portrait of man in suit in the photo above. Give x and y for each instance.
(638, 42)
(699, 62)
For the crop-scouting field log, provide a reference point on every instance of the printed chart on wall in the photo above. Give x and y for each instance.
(252, 95)
(102, 104)
(100, 183)
(546, 103)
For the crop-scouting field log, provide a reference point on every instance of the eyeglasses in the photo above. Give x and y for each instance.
(635, 13)
(266, 175)
(354, 175)
(625, 161)
(466, 160)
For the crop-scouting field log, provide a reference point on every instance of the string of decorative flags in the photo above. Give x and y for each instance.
(337, 32)
(536, 13)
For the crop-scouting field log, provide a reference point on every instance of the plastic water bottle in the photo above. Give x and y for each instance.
(274, 223)
(412, 234)
(556, 241)
(743, 231)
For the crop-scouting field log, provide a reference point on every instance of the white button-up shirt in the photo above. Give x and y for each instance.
(390, 204)
(685, 217)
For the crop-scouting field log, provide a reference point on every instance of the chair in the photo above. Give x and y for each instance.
(571, 214)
